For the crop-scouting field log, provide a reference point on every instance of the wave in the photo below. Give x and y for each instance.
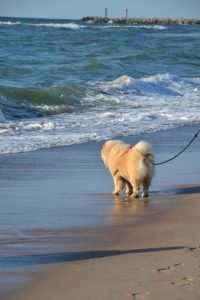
(27, 103)
(122, 26)
(70, 25)
(96, 111)
(162, 84)
(57, 25)
(9, 23)
(183, 35)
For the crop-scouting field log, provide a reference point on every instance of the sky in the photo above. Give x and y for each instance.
(76, 9)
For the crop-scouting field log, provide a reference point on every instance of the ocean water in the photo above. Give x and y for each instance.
(63, 82)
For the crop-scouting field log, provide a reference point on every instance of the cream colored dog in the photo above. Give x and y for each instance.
(130, 166)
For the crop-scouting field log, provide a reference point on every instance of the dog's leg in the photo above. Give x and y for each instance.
(146, 183)
(129, 189)
(136, 187)
(119, 184)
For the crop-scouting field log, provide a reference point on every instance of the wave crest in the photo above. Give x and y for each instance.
(162, 84)
(58, 25)
(96, 111)
(70, 25)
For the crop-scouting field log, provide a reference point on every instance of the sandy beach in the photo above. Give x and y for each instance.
(74, 240)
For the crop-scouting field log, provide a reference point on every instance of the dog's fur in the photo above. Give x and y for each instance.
(130, 166)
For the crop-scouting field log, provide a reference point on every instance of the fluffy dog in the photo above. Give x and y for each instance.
(129, 165)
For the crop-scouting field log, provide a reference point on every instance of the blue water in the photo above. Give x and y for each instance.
(63, 82)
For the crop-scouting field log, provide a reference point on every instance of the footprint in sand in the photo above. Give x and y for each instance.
(141, 295)
(195, 250)
(184, 282)
(167, 269)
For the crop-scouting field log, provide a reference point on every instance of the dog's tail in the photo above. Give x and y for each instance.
(144, 148)
(147, 166)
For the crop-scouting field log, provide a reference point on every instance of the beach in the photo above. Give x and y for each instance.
(64, 236)
(66, 88)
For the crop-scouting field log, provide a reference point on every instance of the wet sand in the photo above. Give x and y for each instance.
(68, 238)
(157, 260)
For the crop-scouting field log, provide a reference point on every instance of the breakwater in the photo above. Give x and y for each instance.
(181, 21)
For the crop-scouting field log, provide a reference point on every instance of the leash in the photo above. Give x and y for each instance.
(194, 137)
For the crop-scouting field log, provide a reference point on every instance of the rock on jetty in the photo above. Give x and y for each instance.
(141, 20)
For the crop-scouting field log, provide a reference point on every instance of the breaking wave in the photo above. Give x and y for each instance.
(77, 25)
(63, 115)
(117, 26)
(70, 25)
(58, 25)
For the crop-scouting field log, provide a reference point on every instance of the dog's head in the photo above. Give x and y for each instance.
(105, 152)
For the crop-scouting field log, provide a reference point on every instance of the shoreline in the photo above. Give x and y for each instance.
(116, 228)
(151, 21)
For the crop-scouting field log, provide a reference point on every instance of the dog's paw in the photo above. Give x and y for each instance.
(145, 194)
(129, 193)
(115, 193)
(135, 195)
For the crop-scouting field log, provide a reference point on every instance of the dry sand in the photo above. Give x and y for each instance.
(155, 257)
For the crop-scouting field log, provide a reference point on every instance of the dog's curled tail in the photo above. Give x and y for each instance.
(144, 148)
(147, 168)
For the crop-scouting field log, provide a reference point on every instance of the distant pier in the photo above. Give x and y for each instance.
(124, 20)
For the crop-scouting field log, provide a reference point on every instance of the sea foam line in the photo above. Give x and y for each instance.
(9, 23)
(113, 26)
(58, 25)
(124, 106)
(53, 25)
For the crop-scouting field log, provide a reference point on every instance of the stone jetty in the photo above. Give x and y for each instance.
(164, 21)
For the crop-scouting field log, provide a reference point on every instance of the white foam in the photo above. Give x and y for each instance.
(124, 106)
(58, 25)
(164, 84)
(158, 27)
(115, 25)
(53, 25)
(9, 23)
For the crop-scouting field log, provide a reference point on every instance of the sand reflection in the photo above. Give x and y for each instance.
(125, 207)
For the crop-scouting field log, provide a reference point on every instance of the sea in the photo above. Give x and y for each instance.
(64, 82)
